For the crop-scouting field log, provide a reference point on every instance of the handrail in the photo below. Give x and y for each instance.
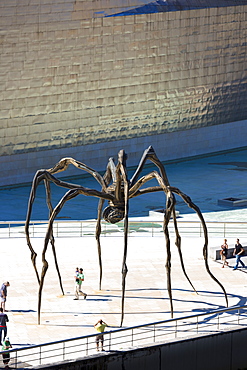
(124, 338)
(78, 228)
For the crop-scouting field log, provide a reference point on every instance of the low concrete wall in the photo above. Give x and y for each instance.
(221, 351)
(20, 168)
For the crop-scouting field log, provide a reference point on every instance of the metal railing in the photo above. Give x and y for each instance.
(37, 229)
(121, 339)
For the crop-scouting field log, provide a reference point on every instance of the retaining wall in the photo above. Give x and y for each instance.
(20, 168)
(222, 351)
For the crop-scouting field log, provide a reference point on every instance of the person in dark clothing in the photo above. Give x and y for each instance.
(224, 252)
(238, 252)
(3, 325)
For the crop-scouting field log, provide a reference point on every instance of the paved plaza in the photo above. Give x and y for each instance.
(146, 295)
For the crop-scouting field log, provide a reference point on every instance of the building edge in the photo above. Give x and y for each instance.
(20, 168)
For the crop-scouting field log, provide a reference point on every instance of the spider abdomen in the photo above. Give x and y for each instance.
(113, 214)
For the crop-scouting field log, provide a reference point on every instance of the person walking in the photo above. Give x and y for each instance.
(223, 252)
(3, 294)
(238, 252)
(3, 325)
(6, 356)
(79, 278)
(100, 327)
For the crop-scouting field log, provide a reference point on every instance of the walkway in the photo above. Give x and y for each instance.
(146, 296)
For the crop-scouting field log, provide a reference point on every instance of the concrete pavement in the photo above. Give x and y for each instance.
(146, 295)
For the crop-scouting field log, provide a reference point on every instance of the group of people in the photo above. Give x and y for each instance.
(238, 253)
(4, 340)
(79, 278)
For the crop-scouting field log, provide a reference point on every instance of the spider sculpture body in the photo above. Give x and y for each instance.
(117, 189)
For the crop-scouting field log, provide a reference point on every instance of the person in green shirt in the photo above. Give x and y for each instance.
(100, 327)
(6, 356)
(79, 278)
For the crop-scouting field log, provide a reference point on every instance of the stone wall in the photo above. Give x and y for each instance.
(71, 77)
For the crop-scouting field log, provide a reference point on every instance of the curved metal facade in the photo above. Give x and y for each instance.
(76, 73)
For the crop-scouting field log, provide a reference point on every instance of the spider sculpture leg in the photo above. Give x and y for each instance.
(97, 235)
(117, 175)
(149, 154)
(76, 190)
(52, 240)
(40, 175)
(120, 188)
(108, 176)
(35, 183)
(164, 185)
(170, 204)
(187, 200)
(169, 209)
(122, 169)
(68, 196)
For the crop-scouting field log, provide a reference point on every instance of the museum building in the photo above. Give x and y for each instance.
(86, 78)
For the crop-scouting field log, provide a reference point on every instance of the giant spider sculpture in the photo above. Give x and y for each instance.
(117, 189)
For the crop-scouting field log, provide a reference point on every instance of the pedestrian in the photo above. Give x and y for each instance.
(3, 294)
(100, 327)
(3, 325)
(223, 252)
(238, 252)
(6, 356)
(79, 278)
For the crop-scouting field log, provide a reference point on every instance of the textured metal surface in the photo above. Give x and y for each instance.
(178, 5)
(69, 79)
